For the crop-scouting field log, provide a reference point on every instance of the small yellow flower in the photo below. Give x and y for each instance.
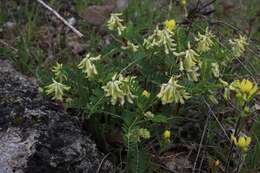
(59, 72)
(172, 92)
(130, 46)
(239, 45)
(115, 23)
(119, 89)
(161, 39)
(244, 89)
(215, 70)
(112, 88)
(146, 94)
(183, 3)
(246, 86)
(144, 133)
(149, 114)
(170, 25)
(217, 163)
(188, 61)
(166, 134)
(242, 142)
(57, 90)
(204, 41)
(87, 65)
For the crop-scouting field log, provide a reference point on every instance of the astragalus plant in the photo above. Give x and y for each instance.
(139, 87)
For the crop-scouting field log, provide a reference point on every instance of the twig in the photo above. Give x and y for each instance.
(61, 18)
(99, 167)
(7, 45)
(201, 141)
(232, 145)
(219, 123)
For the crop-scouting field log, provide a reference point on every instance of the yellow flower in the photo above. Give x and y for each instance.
(57, 90)
(149, 114)
(87, 65)
(204, 41)
(118, 89)
(144, 133)
(172, 92)
(161, 39)
(217, 163)
(238, 45)
(246, 86)
(59, 72)
(166, 134)
(170, 25)
(130, 46)
(188, 61)
(115, 23)
(215, 70)
(146, 93)
(245, 89)
(242, 142)
(183, 3)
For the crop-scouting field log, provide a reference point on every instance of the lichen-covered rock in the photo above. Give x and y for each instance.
(37, 136)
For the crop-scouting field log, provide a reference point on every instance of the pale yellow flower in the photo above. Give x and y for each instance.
(188, 61)
(125, 86)
(204, 41)
(57, 90)
(170, 25)
(217, 163)
(215, 70)
(166, 134)
(112, 88)
(238, 45)
(59, 72)
(242, 142)
(160, 39)
(119, 89)
(245, 89)
(173, 92)
(183, 3)
(149, 114)
(87, 65)
(144, 133)
(115, 23)
(130, 46)
(146, 93)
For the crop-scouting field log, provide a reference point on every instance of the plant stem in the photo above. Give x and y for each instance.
(232, 146)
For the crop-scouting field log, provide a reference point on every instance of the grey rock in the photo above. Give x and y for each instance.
(37, 136)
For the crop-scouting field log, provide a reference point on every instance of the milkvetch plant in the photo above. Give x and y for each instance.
(139, 85)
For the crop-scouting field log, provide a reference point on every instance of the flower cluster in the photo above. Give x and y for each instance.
(144, 133)
(241, 142)
(238, 45)
(170, 25)
(119, 89)
(59, 73)
(215, 69)
(173, 92)
(115, 23)
(188, 61)
(88, 67)
(166, 134)
(146, 94)
(56, 89)
(204, 41)
(161, 38)
(130, 46)
(245, 90)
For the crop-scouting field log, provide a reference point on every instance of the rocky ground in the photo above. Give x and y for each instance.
(37, 136)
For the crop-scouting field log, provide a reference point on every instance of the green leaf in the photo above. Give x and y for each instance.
(159, 119)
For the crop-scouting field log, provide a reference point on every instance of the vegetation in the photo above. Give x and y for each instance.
(172, 90)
